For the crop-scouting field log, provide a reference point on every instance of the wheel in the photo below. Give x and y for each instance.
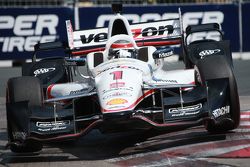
(22, 93)
(233, 122)
(213, 69)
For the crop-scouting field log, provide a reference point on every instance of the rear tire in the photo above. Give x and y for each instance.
(19, 90)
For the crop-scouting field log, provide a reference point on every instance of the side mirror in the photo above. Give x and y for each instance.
(163, 53)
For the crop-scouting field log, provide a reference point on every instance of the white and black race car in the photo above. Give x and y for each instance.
(124, 87)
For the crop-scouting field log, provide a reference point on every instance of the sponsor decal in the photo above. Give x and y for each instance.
(117, 85)
(117, 101)
(52, 126)
(52, 129)
(116, 75)
(138, 33)
(19, 135)
(167, 54)
(153, 31)
(100, 37)
(27, 31)
(124, 94)
(167, 81)
(189, 18)
(185, 111)
(116, 107)
(163, 53)
(70, 63)
(70, 34)
(43, 71)
(119, 66)
(76, 91)
(119, 89)
(221, 111)
(204, 53)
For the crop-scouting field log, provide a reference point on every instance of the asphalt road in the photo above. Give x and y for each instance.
(191, 147)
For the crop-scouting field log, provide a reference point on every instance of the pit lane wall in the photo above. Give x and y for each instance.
(21, 28)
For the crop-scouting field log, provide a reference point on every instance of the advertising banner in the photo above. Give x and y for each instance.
(21, 29)
(226, 15)
(246, 26)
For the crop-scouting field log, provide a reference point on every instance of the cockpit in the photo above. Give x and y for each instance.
(121, 46)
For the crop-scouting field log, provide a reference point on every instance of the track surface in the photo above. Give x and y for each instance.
(192, 147)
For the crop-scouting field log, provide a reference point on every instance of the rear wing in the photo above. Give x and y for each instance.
(157, 33)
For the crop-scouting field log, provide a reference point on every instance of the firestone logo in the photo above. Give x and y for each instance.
(27, 30)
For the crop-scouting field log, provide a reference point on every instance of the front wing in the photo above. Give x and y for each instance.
(179, 110)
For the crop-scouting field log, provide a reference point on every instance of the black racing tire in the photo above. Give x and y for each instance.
(22, 89)
(234, 121)
(217, 67)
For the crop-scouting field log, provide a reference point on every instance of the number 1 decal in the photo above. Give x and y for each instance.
(117, 75)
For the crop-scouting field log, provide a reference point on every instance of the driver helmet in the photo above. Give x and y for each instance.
(121, 49)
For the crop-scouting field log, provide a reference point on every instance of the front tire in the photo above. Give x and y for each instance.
(22, 93)
(234, 120)
(216, 67)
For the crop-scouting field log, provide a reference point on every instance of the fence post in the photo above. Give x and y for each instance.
(240, 28)
(76, 14)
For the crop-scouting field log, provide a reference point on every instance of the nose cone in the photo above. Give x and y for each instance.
(119, 89)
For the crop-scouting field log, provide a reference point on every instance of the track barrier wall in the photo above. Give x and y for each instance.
(21, 28)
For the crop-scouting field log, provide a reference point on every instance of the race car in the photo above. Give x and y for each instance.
(124, 86)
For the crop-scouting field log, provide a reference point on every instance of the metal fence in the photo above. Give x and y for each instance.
(41, 3)
(149, 2)
(34, 3)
